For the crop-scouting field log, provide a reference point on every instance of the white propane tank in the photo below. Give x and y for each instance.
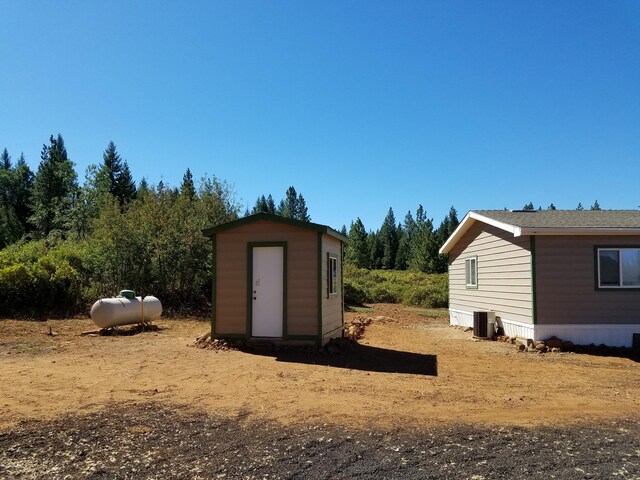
(113, 312)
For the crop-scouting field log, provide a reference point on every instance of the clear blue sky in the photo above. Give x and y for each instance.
(360, 105)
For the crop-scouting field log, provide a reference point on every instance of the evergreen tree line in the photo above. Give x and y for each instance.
(529, 206)
(292, 205)
(63, 245)
(410, 245)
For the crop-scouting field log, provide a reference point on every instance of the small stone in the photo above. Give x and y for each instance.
(555, 350)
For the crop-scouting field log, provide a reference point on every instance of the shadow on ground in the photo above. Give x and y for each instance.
(360, 357)
(127, 332)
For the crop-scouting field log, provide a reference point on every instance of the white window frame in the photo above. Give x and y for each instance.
(620, 286)
(333, 275)
(471, 281)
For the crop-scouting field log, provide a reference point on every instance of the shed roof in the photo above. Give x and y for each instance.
(551, 222)
(211, 231)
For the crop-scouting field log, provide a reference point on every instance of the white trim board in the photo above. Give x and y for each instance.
(613, 335)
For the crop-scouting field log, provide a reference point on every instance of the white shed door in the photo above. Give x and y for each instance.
(268, 291)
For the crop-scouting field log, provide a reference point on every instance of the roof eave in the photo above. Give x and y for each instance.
(580, 231)
(211, 231)
(469, 219)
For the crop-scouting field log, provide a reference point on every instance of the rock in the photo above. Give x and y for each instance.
(555, 350)
(541, 347)
(525, 340)
(554, 342)
(521, 347)
(568, 346)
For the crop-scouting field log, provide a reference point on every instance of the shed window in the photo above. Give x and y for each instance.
(471, 272)
(333, 275)
(619, 267)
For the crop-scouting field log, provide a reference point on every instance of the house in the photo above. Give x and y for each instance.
(277, 279)
(574, 274)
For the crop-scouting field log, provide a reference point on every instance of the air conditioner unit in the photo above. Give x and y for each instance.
(484, 324)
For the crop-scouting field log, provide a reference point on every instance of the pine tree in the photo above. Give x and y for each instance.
(22, 194)
(260, 206)
(374, 246)
(357, 250)
(5, 160)
(579, 207)
(343, 230)
(114, 176)
(126, 187)
(406, 233)
(271, 205)
(10, 227)
(528, 206)
(453, 221)
(437, 263)
(187, 188)
(551, 207)
(596, 206)
(54, 190)
(302, 211)
(389, 239)
(423, 243)
(143, 188)
(292, 206)
(107, 176)
(289, 205)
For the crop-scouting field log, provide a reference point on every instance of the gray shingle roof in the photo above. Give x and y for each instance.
(551, 222)
(566, 218)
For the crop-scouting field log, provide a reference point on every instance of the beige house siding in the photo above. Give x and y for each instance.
(504, 273)
(566, 283)
(231, 278)
(331, 304)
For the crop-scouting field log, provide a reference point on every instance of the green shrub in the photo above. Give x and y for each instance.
(394, 286)
(354, 294)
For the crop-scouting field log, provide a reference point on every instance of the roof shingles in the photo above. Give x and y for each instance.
(566, 218)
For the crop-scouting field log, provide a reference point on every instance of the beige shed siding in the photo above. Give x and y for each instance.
(331, 305)
(231, 281)
(504, 273)
(566, 284)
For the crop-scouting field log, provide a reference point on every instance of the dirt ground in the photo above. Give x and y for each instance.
(408, 370)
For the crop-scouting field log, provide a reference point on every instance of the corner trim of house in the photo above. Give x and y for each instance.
(534, 295)
(319, 289)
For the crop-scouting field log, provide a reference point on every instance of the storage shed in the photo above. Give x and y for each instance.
(574, 274)
(277, 279)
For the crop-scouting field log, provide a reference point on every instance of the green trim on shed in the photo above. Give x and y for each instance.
(208, 232)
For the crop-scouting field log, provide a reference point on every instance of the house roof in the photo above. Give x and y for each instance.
(211, 231)
(551, 222)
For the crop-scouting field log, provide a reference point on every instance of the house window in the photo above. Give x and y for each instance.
(333, 275)
(619, 267)
(471, 272)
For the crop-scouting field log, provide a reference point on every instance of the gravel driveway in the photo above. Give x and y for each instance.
(148, 440)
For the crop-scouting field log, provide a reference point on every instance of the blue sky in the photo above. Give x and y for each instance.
(360, 105)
